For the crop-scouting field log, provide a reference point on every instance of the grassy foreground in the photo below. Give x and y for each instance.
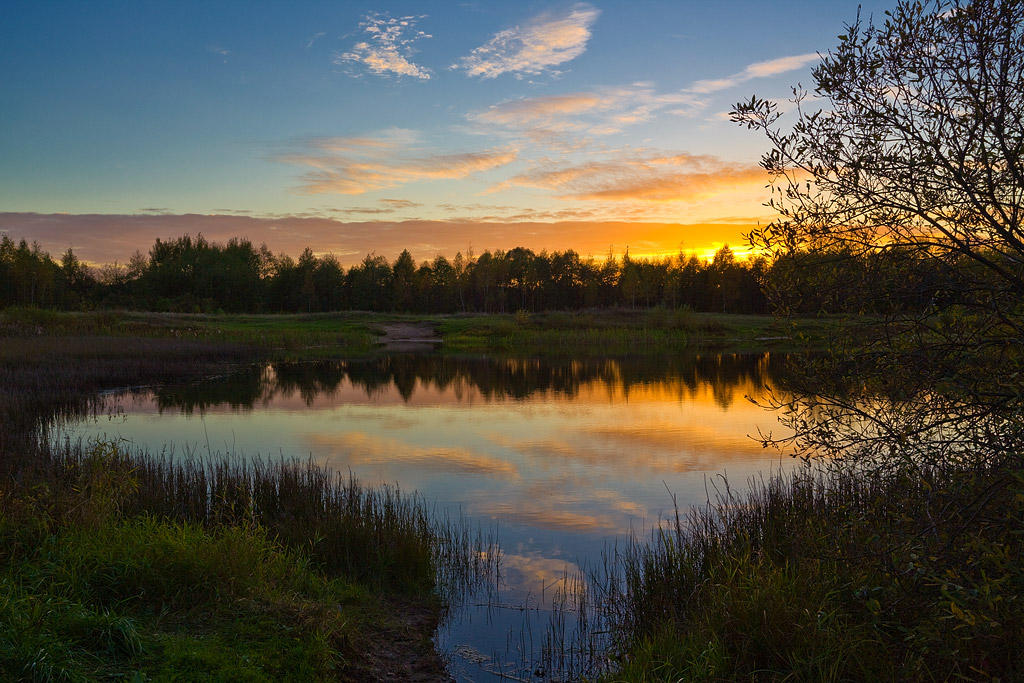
(130, 568)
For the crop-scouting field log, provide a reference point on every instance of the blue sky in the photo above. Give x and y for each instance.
(358, 127)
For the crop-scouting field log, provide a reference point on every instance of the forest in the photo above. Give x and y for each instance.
(193, 275)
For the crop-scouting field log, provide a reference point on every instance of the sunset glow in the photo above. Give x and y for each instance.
(426, 126)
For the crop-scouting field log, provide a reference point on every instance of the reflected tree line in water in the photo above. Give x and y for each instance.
(489, 377)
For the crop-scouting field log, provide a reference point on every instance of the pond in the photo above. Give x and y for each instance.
(558, 459)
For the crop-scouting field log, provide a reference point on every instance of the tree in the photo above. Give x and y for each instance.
(75, 281)
(912, 161)
(329, 282)
(725, 278)
(403, 285)
(370, 283)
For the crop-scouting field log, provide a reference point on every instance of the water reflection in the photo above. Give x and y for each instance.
(458, 379)
(560, 456)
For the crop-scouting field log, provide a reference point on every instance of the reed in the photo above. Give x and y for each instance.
(117, 561)
(90, 594)
(818, 576)
(378, 537)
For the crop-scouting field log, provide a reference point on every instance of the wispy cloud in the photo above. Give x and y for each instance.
(546, 41)
(388, 46)
(567, 120)
(384, 206)
(771, 67)
(398, 204)
(390, 159)
(315, 37)
(640, 177)
(223, 52)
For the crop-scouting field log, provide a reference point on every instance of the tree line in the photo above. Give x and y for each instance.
(192, 274)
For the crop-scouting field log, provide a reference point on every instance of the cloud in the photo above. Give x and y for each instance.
(388, 46)
(223, 52)
(384, 206)
(315, 37)
(771, 67)
(564, 121)
(641, 178)
(359, 448)
(400, 203)
(389, 159)
(548, 40)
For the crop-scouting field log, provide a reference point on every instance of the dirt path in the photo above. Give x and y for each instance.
(404, 649)
(408, 336)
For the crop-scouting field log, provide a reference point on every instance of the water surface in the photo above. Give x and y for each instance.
(559, 458)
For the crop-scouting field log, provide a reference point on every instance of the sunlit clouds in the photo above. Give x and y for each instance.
(105, 238)
(771, 67)
(361, 448)
(546, 41)
(567, 120)
(387, 47)
(387, 160)
(641, 177)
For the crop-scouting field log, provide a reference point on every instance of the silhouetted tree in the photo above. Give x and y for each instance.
(911, 167)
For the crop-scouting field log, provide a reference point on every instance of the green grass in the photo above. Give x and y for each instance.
(351, 334)
(618, 331)
(273, 335)
(116, 566)
(155, 600)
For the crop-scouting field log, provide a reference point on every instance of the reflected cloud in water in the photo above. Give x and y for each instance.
(362, 448)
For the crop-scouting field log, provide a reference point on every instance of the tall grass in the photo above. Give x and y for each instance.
(106, 555)
(377, 537)
(823, 575)
(92, 593)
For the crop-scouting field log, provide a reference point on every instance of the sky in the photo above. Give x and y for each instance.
(359, 127)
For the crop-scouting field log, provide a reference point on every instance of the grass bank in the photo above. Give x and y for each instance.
(273, 336)
(623, 332)
(120, 567)
(829, 577)
(295, 337)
